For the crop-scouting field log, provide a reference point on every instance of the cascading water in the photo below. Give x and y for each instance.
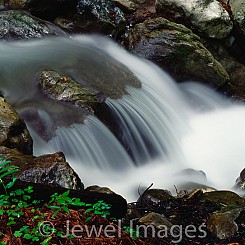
(166, 127)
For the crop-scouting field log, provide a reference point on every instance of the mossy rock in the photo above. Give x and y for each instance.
(63, 88)
(178, 50)
(15, 25)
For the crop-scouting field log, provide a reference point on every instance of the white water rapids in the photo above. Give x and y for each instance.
(186, 126)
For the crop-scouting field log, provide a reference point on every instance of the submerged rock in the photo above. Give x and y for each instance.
(178, 50)
(207, 16)
(16, 25)
(13, 130)
(50, 169)
(63, 88)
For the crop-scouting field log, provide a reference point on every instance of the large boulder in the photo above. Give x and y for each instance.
(16, 25)
(49, 169)
(13, 130)
(206, 16)
(176, 49)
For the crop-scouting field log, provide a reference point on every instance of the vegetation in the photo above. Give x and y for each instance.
(34, 222)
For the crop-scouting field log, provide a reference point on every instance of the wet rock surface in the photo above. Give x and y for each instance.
(207, 16)
(13, 130)
(63, 88)
(15, 25)
(176, 49)
(48, 169)
(98, 16)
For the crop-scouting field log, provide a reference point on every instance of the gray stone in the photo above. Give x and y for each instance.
(207, 16)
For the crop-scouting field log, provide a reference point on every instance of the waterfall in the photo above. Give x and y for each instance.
(164, 127)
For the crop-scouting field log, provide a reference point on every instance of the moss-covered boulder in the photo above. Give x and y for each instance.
(16, 25)
(13, 130)
(63, 88)
(176, 49)
(50, 168)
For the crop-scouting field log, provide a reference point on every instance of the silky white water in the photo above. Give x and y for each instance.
(167, 127)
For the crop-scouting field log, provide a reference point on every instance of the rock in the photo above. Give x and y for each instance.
(16, 25)
(155, 199)
(240, 182)
(238, 12)
(225, 198)
(63, 88)
(13, 133)
(132, 213)
(127, 5)
(99, 189)
(157, 220)
(13, 4)
(194, 192)
(176, 49)
(193, 174)
(207, 16)
(235, 70)
(50, 169)
(223, 224)
(98, 16)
